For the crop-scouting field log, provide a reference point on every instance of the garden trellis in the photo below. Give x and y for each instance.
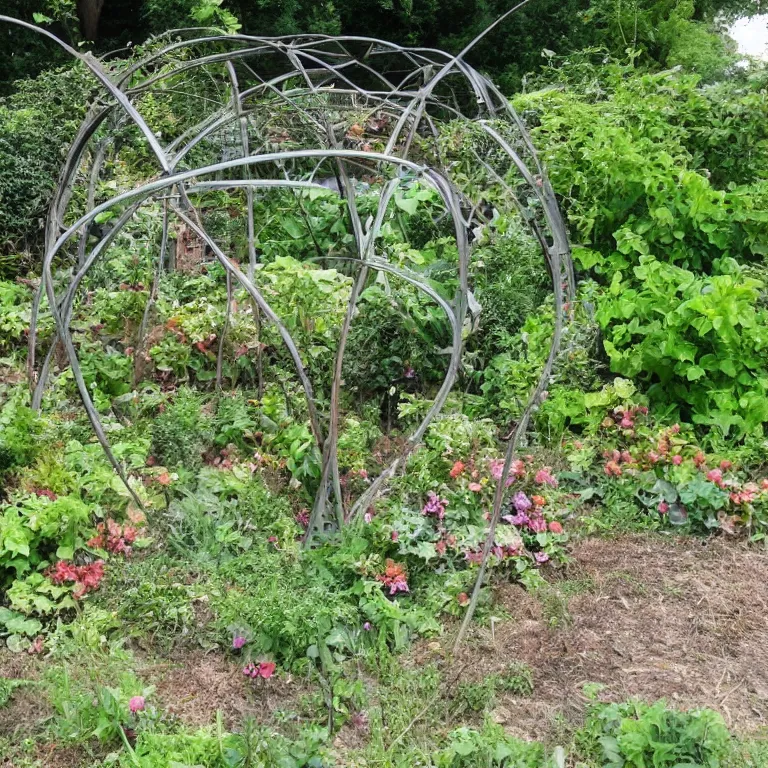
(319, 86)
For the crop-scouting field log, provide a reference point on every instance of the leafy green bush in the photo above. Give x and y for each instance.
(220, 749)
(35, 133)
(700, 342)
(181, 433)
(639, 734)
(225, 515)
(491, 747)
(35, 529)
(285, 605)
(20, 431)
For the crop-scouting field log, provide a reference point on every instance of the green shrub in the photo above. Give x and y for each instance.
(701, 343)
(639, 734)
(284, 604)
(20, 432)
(491, 747)
(181, 433)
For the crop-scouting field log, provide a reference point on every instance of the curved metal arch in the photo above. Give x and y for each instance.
(432, 89)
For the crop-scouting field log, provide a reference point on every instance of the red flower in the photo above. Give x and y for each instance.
(555, 527)
(394, 577)
(267, 669)
(456, 469)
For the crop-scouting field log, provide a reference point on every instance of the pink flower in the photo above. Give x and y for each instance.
(394, 535)
(409, 373)
(653, 457)
(663, 507)
(545, 477)
(238, 641)
(725, 465)
(475, 487)
(677, 459)
(364, 474)
(541, 557)
(626, 423)
(537, 525)
(612, 468)
(367, 626)
(555, 527)
(675, 429)
(367, 517)
(497, 468)
(715, 476)
(136, 704)
(264, 669)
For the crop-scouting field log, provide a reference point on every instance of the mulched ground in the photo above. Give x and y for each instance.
(646, 616)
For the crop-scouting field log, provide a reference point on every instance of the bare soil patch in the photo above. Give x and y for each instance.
(646, 616)
(199, 684)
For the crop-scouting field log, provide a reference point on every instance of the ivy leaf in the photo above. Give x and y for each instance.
(407, 204)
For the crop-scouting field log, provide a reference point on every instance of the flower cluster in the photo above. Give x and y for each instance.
(435, 506)
(86, 578)
(530, 513)
(262, 669)
(394, 577)
(113, 537)
(624, 418)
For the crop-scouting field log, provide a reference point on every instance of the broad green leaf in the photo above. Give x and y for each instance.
(407, 204)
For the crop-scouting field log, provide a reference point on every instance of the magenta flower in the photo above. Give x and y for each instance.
(367, 626)
(238, 641)
(521, 502)
(136, 704)
(435, 506)
(409, 373)
(519, 519)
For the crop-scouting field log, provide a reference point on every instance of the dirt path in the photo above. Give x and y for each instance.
(646, 616)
